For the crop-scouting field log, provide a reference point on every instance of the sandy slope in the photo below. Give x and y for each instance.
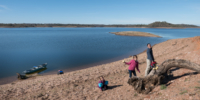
(82, 84)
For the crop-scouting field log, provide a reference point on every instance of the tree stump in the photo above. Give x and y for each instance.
(155, 77)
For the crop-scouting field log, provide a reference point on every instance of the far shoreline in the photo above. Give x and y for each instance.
(106, 27)
(156, 24)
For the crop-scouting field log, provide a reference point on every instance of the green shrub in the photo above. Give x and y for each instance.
(197, 87)
(162, 87)
(185, 91)
(135, 94)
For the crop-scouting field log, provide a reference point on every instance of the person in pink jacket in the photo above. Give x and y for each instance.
(133, 64)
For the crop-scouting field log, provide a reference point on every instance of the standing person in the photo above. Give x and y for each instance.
(150, 58)
(133, 63)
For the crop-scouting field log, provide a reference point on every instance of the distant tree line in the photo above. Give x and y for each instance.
(152, 25)
(166, 24)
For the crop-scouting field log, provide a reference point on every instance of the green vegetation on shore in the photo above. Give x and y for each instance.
(166, 24)
(152, 25)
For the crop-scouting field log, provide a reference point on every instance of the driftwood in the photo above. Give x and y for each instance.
(155, 77)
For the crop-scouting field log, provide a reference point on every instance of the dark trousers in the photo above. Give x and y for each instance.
(130, 73)
(104, 87)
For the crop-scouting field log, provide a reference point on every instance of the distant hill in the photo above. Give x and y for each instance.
(152, 25)
(166, 24)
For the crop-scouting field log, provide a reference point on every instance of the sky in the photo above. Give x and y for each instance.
(100, 11)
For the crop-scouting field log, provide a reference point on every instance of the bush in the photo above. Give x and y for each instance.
(183, 92)
(162, 87)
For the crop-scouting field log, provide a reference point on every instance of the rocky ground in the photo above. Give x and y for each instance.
(82, 84)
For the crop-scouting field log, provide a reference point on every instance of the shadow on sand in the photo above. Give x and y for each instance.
(171, 77)
(112, 87)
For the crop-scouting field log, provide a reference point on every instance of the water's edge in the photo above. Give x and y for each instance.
(11, 79)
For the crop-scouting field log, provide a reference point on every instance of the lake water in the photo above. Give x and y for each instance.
(73, 48)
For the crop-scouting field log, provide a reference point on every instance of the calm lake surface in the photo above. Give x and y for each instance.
(73, 48)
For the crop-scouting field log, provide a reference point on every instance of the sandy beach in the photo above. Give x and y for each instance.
(135, 33)
(82, 84)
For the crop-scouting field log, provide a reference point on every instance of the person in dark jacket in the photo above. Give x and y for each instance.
(150, 58)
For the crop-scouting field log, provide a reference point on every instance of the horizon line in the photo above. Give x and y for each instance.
(97, 24)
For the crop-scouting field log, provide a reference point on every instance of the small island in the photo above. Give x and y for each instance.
(135, 33)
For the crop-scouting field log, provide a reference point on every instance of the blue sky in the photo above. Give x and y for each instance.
(100, 11)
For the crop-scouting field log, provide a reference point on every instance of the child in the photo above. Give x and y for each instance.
(133, 63)
(102, 84)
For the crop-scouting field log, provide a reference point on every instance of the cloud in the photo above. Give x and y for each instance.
(133, 21)
(3, 7)
(194, 7)
(197, 8)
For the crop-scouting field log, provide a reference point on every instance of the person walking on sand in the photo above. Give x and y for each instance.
(150, 58)
(133, 63)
